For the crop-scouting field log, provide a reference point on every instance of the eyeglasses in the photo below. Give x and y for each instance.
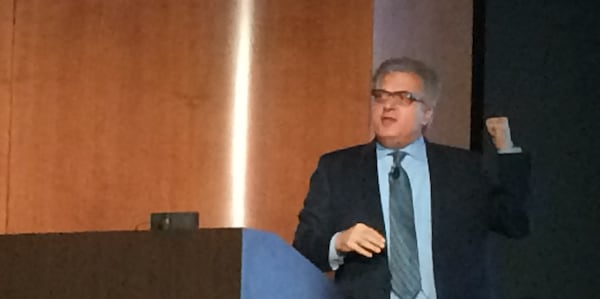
(402, 97)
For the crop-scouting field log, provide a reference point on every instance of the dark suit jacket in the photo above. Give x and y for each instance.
(465, 206)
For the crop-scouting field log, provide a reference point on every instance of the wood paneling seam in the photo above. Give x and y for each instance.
(10, 106)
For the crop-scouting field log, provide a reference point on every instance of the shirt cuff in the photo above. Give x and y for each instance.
(336, 259)
(511, 150)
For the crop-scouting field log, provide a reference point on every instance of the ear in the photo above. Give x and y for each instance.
(428, 117)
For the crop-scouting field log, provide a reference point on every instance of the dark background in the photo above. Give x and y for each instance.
(538, 63)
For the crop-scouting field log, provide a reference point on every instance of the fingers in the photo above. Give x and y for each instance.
(366, 248)
(362, 251)
(376, 239)
(361, 239)
(499, 131)
(497, 120)
(496, 124)
(493, 124)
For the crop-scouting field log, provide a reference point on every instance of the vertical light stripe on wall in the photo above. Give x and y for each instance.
(240, 113)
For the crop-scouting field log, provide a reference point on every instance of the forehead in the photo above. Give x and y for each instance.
(396, 81)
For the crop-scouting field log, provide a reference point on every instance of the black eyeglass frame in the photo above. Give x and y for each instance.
(402, 97)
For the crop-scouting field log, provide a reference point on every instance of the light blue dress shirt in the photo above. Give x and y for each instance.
(416, 166)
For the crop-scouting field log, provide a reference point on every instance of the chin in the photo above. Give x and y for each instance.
(394, 140)
(389, 141)
(389, 133)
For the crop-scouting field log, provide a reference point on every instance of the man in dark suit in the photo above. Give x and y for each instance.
(401, 217)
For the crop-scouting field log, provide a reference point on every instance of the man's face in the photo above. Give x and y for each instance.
(397, 125)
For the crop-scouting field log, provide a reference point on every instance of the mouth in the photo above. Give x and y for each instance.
(388, 120)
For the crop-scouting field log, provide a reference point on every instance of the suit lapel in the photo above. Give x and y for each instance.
(370, 196)
(438, 183)
(441, 185)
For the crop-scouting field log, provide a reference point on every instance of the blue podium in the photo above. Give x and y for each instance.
(207, 263)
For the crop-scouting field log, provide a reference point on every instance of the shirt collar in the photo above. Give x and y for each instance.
(416, 150)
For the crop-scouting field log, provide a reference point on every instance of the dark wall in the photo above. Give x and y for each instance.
(541, 68)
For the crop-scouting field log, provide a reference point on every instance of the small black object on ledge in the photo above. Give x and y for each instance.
(169, 221)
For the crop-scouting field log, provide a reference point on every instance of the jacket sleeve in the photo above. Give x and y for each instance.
(314, 230)
(510, 195)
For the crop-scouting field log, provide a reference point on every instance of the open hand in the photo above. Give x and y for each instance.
(361, 239)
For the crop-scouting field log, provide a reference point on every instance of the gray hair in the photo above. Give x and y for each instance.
(429, 79)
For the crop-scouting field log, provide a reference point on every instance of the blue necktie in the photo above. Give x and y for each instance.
(403, 254)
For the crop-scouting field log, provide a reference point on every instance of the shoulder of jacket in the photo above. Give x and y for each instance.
(451, 151)
(348, 151)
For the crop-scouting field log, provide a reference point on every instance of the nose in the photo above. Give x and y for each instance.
(388, 105)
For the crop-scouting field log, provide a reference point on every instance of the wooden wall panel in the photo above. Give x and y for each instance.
(124, 107)
(6, 30)
(120, 108)
(440, 33)
(310, 94)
